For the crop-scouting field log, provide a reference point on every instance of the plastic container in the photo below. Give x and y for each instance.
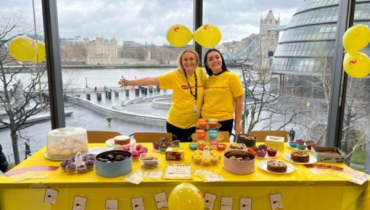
(150, 160)
(232, 148)
(239, 167)
(64, 143)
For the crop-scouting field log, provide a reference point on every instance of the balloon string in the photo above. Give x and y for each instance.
(37, 55)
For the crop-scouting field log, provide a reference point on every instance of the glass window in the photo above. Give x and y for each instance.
(24, 104)
(356, 117)
(114, 39)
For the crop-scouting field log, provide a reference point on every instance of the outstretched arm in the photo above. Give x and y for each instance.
(141, 82)
(238, 114)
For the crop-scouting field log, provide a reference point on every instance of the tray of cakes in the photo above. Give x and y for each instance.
(299, 157)
(65, 143)
(162, 144)
(300, 144)
(237, 146)
(150, 160)
(262, 151)
(239, 162)
(206, 157)
(276, 166)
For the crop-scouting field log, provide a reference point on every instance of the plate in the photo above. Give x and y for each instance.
(110, 143)
(60, 159)
(217, 127)
(220, 137)
(55, 159)
(297, 148)
(267, 156)
(263, 165)
(311, 160)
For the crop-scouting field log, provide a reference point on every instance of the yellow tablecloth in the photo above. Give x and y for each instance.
(300, 189)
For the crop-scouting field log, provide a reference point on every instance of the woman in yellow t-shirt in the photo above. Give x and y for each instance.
(187, 83)
(223, 95)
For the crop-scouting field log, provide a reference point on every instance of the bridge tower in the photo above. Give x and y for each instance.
(268, 39)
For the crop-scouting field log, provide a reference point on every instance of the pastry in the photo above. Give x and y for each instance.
(300, 156)
(122, 140)
(271, 152)
(276, 166)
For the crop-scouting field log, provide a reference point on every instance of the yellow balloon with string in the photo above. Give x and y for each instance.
(22, 48)
(41, 53)
(179, 35)
(208, 35)
(185, 196)
(356, 64)
(356, 38)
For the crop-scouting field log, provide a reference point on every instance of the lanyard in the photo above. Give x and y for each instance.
(196, 85)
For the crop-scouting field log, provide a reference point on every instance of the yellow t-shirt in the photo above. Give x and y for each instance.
(183, 102)
(219, 96)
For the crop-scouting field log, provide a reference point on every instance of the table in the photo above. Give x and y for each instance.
(300, 189)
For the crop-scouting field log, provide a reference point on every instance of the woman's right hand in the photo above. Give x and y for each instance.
(123, 82)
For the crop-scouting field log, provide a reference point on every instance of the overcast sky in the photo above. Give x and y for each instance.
(148, 20)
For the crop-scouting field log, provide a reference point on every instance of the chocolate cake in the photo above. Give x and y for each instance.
(300, 156)
(276, 166)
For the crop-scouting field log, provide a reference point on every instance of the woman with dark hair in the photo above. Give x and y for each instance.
(223, 95)
(3, 162)
(187, 83)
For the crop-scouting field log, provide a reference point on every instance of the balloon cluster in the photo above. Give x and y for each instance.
(207, 35)
(186, 196)
(356, 64)
(26, 49)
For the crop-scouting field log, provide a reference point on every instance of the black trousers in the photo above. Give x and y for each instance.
(181, 134)
(226, 125)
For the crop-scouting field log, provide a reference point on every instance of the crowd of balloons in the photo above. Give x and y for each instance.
(207, 35)
(26, 49)
(356, 64)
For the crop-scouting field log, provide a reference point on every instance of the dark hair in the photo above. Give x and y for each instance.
(209, 71)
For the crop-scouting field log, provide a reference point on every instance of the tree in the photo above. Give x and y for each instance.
(20, 99)
(261, 104)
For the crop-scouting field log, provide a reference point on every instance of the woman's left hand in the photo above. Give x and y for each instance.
(238, 128)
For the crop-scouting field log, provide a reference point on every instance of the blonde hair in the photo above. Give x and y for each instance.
(179, 63)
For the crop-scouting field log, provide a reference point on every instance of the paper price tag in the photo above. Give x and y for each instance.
(79, 203)
(161, 200)
(209, 201)
(276, 201)
(111, 204)
(226, 203)
(51, 196)
(245, 204)
(137, 203)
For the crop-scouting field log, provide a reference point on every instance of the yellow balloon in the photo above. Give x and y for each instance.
(40, 52)
(208, 35)
(356, 38)
(356, 64)
(179, 35)
(22, 48)
(186, 196)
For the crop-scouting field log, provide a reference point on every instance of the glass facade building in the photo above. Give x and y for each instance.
(310, 36)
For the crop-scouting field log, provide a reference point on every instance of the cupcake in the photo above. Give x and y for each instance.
(301, 146)
(81, 169)
(71, 168)
(261, 153)
(263, 147)
(310, 144)
(214, 159)
(90, 164)
(293, 144)
(64, 164)
(271, 152)
(197, 159)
